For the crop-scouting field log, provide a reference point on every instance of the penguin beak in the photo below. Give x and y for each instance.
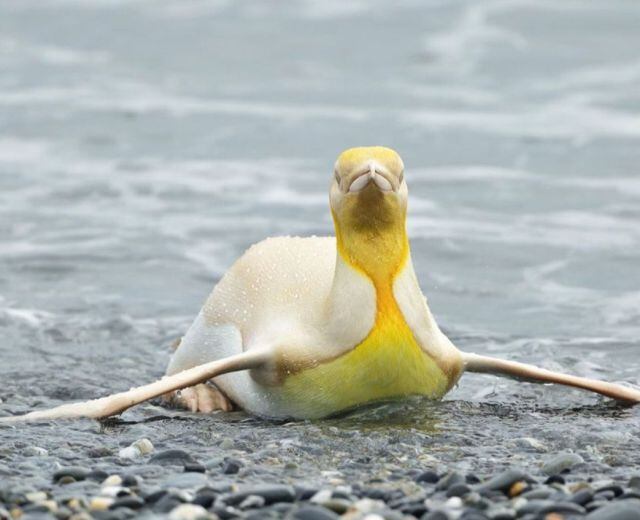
(376, 174)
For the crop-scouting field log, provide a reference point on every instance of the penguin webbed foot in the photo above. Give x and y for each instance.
(201, 398)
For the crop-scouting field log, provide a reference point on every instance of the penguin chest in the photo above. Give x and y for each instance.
(388, 363)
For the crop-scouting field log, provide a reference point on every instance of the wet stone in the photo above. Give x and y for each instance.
(614, 488)
(194, 467)
(270, 493)
(188, 512)
(70, 474)
(252, 502)
(458, 490)
(435, 515)
(555, 479)
(449, 480)
(231, 466)
(564, 508)
(607, 494)
(205, 498)
(561, 462)
(429, 477)
(313, 513)
(503, 481)
(129, 502)
(582, 497)
(174, 456)
(634, 482)
(620, 510)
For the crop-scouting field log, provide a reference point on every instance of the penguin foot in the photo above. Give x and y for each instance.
(203, 398)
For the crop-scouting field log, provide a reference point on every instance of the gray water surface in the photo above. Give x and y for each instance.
(145, 145)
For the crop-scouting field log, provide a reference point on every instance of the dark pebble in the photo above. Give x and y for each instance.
(341, 495)
(458, 490)
(630, 493)
(595, 504)
(270, 493)
(117, 514)
(73, 472)
(376, 494)
(153, 497)
(472, 479)
(130, 480)
(416, 509)
(166, 503)
(32, 509)
(504, 481)
(226, 513)
(205, 498)
(450, 479)
(172, 457)
(471, 514)
(504, 515)
(430, 477)
(194, 467)
(614, 488)
(130, 502)
(313, 513)
(607, 494)
(97, 475)
(582, 497)
(535, 506)
(621, 510)
(555, 479)
(435, 515)
(563, 507)
(231, 466)
(304, 493)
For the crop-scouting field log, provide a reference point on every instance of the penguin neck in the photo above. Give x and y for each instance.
(379, 253)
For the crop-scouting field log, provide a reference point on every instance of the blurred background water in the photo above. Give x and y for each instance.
(145, 145)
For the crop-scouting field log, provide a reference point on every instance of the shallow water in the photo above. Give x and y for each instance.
(144, 146)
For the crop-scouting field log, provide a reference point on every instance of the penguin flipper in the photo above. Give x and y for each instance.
(533, 374)
(117, 403)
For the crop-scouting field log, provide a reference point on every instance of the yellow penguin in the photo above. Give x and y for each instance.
(309, 327)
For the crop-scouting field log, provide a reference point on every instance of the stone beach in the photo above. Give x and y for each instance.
(253, 469)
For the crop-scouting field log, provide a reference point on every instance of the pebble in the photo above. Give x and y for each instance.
(70, 474)
(252, 502)
(504, 481)
(188, 512)
(430, 477)
(397, 494)
(112, 480)
(231, 466)
(178, 457)
(270, 493)
(458, 490)
(450, 479)
(136, 450)
(100, 503)
(561, 462)
(624, 510)
(314, 513)
(194, 467)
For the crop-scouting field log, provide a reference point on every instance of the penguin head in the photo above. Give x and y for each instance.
(368, 191)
